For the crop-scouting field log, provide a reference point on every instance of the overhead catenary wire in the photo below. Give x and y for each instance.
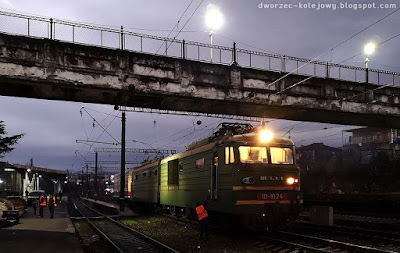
(104, 130)
(339, 44)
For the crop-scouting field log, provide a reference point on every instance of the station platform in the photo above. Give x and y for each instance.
(37, 234)
(126, 213)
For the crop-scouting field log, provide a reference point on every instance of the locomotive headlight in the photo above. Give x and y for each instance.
(266, 135)
(290, 180)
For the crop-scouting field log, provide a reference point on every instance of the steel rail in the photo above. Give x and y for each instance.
(334, 242)
(358, 232)
(148, 241)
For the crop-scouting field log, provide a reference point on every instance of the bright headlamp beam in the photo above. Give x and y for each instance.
(266, 135)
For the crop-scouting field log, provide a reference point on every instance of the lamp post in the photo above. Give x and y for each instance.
(369, 49)
(214, 20)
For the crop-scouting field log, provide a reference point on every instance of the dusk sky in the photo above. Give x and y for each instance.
(52, 127)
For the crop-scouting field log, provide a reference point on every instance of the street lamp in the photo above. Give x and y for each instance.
(214, 20)
(368, 50)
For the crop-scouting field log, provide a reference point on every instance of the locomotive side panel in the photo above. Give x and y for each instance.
(185, 180)
(144, 186)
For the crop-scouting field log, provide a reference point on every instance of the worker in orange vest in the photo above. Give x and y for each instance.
(51, 200)
(202, 215)
(42, 203)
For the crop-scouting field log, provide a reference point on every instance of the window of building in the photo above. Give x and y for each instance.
(229, 155)
(253, 154)
(200, 163)
(173, 172)
(281, 155)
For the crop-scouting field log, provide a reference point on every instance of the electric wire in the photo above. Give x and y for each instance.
(341, 43)
(94, 120)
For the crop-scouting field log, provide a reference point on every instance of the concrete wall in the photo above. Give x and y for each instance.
(49, 69)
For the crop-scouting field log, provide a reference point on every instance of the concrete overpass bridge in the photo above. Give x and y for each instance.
(61, 60)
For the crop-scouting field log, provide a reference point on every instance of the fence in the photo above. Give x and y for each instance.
(102, 36)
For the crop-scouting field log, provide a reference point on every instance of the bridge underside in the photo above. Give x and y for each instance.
(47, 69)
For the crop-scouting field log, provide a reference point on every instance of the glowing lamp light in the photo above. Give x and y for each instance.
(290, 180)
(1, 181)
(369, 48)
(296, 180)
(29, 170)
(214, 18)
(266, 135)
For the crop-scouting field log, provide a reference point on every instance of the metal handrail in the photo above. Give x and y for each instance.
(234, 52)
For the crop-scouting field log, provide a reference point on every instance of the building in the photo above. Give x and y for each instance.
(318, 164)
(317, 156)
(16, 179)
(363, 144)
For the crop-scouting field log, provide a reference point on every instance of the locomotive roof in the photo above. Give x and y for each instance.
(252, 138)
(243, 138)
(146, 166)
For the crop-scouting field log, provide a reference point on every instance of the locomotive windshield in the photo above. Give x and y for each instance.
(281, 155)
(253, 154)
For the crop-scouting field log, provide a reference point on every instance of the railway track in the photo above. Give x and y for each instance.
(283, 241)
(294, 242)
(120, 237)
(353, 232)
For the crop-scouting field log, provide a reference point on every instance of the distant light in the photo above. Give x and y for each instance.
(214, 17)
(9, 169)
(65, 182)
(112, 176)
(266, 135)
(29, 170)
(40, 176)
(369, 48)
(77, 183)
(1, 181)
(106, 182)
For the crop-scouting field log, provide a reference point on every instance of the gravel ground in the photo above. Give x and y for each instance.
(185, 238)
(90, 241)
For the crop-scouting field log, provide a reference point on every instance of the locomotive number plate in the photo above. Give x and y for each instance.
(271, 196)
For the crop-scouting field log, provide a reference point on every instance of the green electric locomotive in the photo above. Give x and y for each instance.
(253, 176)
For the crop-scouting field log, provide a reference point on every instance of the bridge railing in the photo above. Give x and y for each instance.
(120, 38)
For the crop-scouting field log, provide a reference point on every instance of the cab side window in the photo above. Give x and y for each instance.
(173, 172)
(229, 155)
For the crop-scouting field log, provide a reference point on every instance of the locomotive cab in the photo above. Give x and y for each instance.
(265, 180)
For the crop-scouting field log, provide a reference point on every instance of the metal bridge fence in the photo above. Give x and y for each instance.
(63, 30)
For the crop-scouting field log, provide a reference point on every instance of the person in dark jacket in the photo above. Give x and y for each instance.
(60, 194)
(202, 215)
(51, 200)
(35, 203)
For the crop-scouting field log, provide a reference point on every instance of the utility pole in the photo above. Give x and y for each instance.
(95, 175)
(82, 182)
(87, 180)
(122, 178)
